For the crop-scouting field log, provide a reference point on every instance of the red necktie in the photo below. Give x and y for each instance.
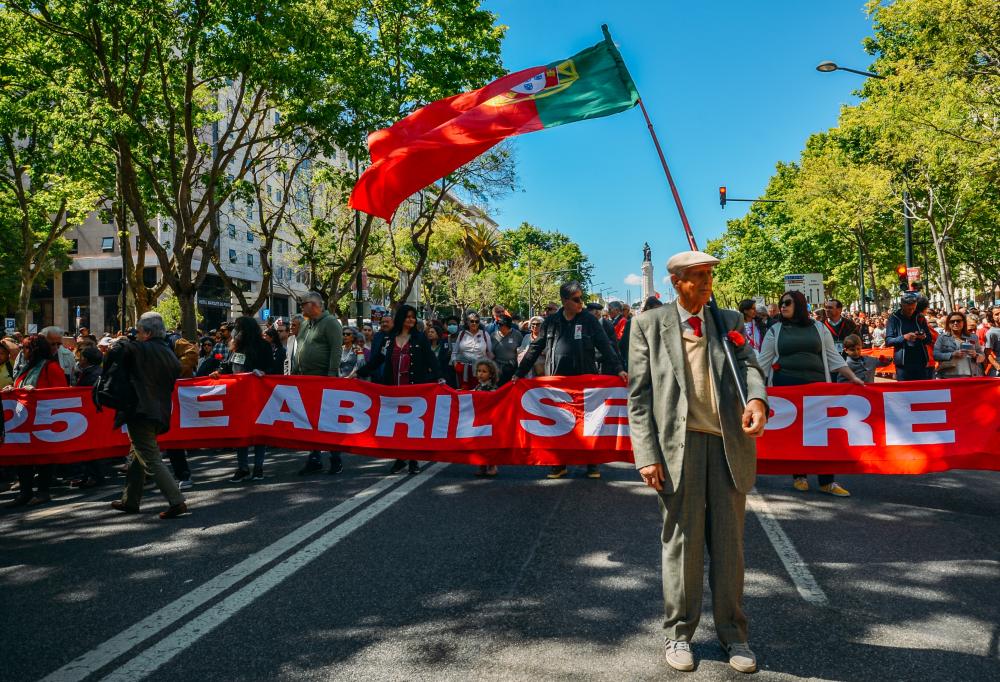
(695, 323)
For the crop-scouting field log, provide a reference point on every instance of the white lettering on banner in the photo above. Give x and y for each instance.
(442, 416)
(389, 415)
(597, 410)
(900, 417)
(783, 414)
(284, 396)
(192, 406)
(817, 422)
(18, 415)
(531, 402)
(350, 405)
(45, 414)
(467, 418)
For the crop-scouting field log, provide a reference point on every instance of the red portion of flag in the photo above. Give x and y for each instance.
(434, 141)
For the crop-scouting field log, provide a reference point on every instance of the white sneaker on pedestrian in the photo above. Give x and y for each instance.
(186, 484)
(740, 657)
(678, 655)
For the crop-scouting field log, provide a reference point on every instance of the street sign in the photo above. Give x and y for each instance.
(32, 328)
(810, 284)
(9, 324)
(912, 275)
(265, 314)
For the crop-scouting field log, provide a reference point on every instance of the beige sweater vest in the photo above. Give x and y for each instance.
(703, 408)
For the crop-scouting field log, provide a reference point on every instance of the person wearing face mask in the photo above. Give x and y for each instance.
(452, 327)
(441, 348)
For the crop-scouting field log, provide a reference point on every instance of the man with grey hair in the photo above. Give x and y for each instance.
(290, 337)
(152, 369)
(54, 335)
(318, 349)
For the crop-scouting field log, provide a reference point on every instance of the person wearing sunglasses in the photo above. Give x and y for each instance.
(958, 352)
(471, 345)
(571, 339)
(802, 351)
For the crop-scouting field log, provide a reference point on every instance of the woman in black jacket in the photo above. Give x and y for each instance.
(249, 353)
(403, 358)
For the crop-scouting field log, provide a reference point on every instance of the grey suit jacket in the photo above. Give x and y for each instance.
(657, 405)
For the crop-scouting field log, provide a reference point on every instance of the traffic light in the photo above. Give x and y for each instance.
(904, 284)
(722, 197)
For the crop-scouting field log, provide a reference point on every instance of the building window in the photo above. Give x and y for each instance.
(74, 246)
(107, 244)
(277, 195)
(250, 259)
(166, 227)
(232, 231)
(277, 118)
(232, 255)
(249, 237)
(249, 211)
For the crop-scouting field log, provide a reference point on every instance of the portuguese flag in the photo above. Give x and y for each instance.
(444, 135)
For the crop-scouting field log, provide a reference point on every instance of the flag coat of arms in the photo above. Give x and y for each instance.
(444, 135)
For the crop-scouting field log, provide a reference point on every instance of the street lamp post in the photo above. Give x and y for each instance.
(829, 67)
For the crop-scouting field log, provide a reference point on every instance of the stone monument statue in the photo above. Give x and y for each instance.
(648, 285)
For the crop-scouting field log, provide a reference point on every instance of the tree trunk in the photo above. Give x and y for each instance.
(189, 315)
(23, 302)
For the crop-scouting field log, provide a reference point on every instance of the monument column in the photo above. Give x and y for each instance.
(648, 285)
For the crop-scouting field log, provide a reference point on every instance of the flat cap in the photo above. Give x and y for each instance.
(679, 262)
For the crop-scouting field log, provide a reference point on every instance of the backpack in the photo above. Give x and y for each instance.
(114, 387)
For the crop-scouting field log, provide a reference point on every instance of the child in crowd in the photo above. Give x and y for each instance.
(487, 376)
(863, 366)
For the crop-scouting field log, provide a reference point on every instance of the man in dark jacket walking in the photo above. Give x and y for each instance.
(907, 331)
(152, 368)
(571, 339)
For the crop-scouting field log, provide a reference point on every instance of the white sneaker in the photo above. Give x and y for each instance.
(740, 657)
(678, 655)
(186, 484)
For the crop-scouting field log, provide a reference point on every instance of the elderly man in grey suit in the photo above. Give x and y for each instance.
(693, 442)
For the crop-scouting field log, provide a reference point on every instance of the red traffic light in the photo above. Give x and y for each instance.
(901, 270)
(722, 197)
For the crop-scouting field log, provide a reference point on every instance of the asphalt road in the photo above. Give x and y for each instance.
(445, 576)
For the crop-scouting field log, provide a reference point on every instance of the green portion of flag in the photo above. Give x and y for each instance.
(592, 83)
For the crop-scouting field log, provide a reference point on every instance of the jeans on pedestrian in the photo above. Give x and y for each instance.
(243, 457)
(146, 461)
(912, 373)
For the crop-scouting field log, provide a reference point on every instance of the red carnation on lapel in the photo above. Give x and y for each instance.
(736, 339)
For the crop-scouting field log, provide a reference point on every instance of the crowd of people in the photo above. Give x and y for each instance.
(794, 343)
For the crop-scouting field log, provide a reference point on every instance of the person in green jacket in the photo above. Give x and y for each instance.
(318, 348)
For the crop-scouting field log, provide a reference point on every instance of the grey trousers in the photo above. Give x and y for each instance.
(705, 508)
(145, 461)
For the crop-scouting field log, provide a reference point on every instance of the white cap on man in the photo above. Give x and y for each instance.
(679, 262)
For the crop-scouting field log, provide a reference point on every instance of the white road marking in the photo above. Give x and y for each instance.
(145, 663)
(797, 569)
(95, 659)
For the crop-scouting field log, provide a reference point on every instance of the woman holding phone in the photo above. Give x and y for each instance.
(957, 352)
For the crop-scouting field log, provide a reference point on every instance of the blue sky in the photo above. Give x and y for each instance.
(731, 88)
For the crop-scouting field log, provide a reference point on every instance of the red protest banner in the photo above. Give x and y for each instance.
(903, 428)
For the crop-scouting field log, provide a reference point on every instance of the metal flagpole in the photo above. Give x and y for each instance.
(712, 305)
